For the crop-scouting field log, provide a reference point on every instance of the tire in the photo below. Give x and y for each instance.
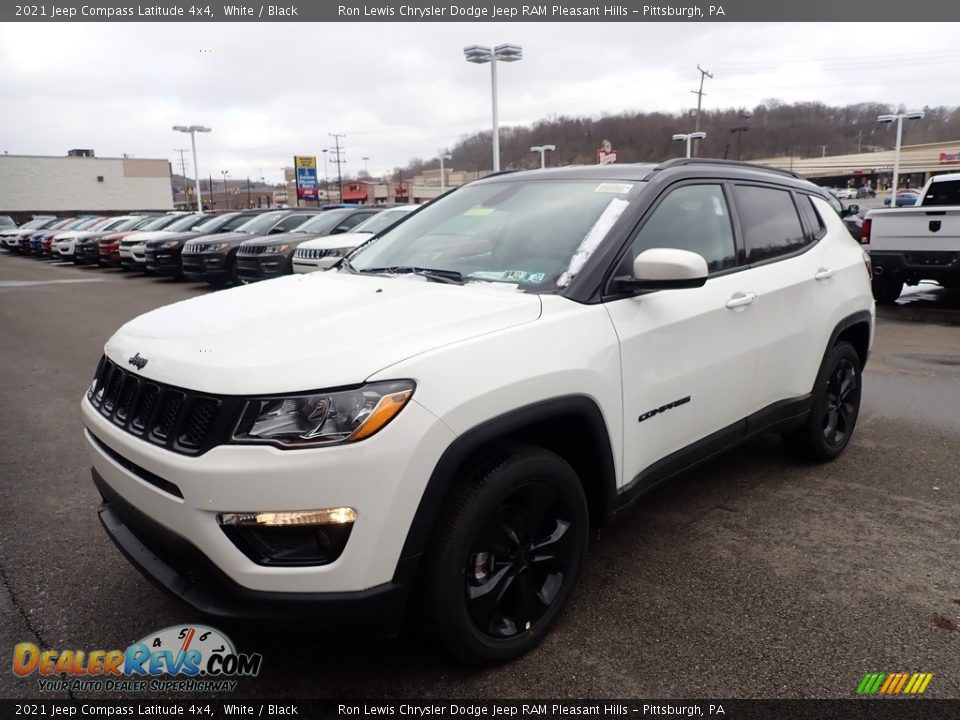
(835, 408)
(483, 583)
(886, 290)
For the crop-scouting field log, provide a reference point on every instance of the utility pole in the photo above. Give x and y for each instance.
(823, 151)
(339, 161)
(183, 163)
(210, 186)
(248, 192)
(700, 93)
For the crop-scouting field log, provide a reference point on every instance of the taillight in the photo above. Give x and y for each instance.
(865, 232)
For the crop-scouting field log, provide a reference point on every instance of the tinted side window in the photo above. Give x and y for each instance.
(354, 220)
(810, 215)
(694, 218)
(292, 222)
(771, 226)
(943, 193)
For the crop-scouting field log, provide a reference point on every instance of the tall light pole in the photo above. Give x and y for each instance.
(481, 54)
(899, 117)
(543, 150)
(365, 161)
(326, 182)
(689, 138)
(226, 202)
(443, 177)
(193, 130)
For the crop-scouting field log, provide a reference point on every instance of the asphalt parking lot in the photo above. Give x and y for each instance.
(752, 576)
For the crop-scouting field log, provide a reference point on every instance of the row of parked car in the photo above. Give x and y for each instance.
(218, 248)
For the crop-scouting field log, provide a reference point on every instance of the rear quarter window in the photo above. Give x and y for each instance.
(943, 193)
(771, 226)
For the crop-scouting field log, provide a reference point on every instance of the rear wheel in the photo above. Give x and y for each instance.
(886, 290)
(506, 556)
(835, 408)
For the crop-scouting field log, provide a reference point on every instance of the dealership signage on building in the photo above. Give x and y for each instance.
(950, 158)
(307, 186)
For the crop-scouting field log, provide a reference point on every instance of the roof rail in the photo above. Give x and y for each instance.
(675, 162)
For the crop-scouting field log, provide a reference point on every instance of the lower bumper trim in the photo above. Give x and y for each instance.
(179, 568)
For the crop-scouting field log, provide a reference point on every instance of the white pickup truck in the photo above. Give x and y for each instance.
(922, 242)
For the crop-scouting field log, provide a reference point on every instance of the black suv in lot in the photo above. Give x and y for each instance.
(212, 259)
(163, 255)
(272, 256)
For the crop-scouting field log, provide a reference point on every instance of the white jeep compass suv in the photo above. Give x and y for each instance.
(436, 424)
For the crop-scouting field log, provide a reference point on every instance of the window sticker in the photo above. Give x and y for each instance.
(478, 212)
(618, 188)
(511, 276)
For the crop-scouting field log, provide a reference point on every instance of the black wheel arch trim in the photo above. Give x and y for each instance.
(499, 428)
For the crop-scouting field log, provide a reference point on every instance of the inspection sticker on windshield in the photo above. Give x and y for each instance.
(481, 211)
(618, 188)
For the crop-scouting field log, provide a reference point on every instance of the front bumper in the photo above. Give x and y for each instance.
(382, 478)
(176, 566)
(163, 262)
(88, 254)
(251, 268)
(205, 265)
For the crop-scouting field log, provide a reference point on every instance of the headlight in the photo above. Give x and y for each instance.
(220, 247)
(276, 248)
(168, 244)
(337, 252)
(323, 418)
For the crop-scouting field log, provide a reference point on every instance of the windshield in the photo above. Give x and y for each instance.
(324, 223)
(87, 223)
(62, 224)
(37, 223)
(509, 231)
(383, 220)
(143, 222)
(159, 223)
(183, 224)
(262, 223)
(213, 224)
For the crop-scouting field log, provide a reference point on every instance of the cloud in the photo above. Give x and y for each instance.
(403, 90)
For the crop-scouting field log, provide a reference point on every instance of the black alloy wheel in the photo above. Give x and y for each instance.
(834, 409)
(519, 560)
(843, 401)
(507, 555)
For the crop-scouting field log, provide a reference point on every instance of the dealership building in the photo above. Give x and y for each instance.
(80, 182)
(874, 169)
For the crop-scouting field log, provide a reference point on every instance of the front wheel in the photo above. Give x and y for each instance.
(506, 556)
(835, 408)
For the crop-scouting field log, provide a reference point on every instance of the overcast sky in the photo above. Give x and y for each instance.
(399, 91)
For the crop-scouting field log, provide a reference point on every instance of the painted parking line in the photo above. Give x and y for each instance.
(25, 283)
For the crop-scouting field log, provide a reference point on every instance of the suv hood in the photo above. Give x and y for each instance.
(337, 241)
(308, 332)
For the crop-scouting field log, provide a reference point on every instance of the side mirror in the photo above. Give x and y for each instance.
(853, 209)
(665, 269)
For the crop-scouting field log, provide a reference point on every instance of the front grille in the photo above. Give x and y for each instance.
(181, 420)
(250, 249)
(309, 253)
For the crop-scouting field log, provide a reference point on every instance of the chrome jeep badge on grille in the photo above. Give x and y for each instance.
(138, 362)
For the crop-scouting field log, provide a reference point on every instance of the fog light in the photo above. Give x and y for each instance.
(329, 516)
(307, 537)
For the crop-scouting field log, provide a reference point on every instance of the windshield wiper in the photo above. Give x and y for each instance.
(435, 274)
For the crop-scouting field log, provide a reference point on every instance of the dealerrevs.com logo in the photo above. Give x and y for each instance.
(191, 658)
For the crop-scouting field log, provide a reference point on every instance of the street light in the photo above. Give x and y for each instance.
(543, 150)
(481, 54)
(689, 137)
(226, 202)
(193, 130)
(365, 169)
(443, 178)
(914, 115)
